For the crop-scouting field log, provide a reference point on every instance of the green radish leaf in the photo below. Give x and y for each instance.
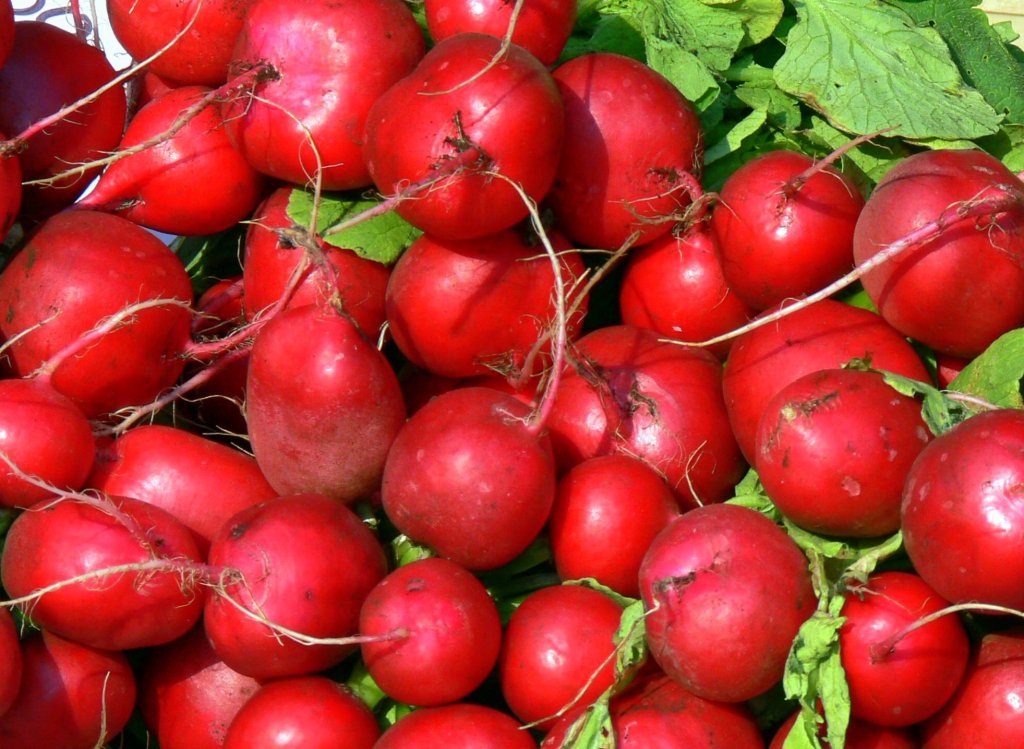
(737, 136)
(751, 494)
(590, 582)
(847, 550)
(997, 374)
(406, 550)
(210, 258)
(364, 687)
(593, 728)
(865, 66)
(759, 17)
(871, 556)
(804, 734)
(630, 639)
(941, 413)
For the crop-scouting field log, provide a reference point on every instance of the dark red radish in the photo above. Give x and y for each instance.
(47, 70)
(453, 633)
(726, 590)
(834, 448)
(72, 696)
(334, 59)
(470, 477)
(147, 87)
(782, 235)
(674, 285)
(610, 496)
(10, 661)
(46, 436)
(460, 725)
(987, 711)
(633, 148)
(343, 277)
(200, 482)
(451, 144)
(202, 53)
(961, 290)
(859, 735)
(156, 187)
(219, 402)
(419, 386)
(77, 270)
(302, 562)
(489, 300)
(899, 677)
(824, 335)
(558, 652)
(630, 393)
(6, 30)
(323, 405)
(303, 712)
(188, 696)
(963, 511)
(124, 571)
(542, 26)
(10, 188)
(948, 368)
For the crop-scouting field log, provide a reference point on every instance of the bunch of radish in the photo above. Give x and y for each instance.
(596, 456)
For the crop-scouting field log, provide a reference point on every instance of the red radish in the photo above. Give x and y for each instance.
(271, 258)
(963, 511)
(987, 711)
(859, 735)
(303, 563)
(469, 477)
(47, 70)
(155, 187)
(10, 661)
(46, 436)
(6, 30)
(610, 496)
(78, 269)
(147, 87)
(200, 56)
(833, 451)
(490, 300)
(948, 368)
(899, 678)
(219, 401)
(440, 135)
(781, 234)
(10, 188)
(675, 286)
(453, 633)
(457, 726)
(303, 712)
(334, 59)
(56, 542)
(200, 482)
(542, 26)
(188, 696)
(726, 590)
(323, 405)
(72, 696)
(633, 147)
(824, 335)
(662, 403)
(558, 652)
(958, 292)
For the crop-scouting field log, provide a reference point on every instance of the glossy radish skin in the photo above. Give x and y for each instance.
(901, 683)
(49, 68)
(542, 27)
(859, 735)
(334, 58)
(558, 644)
(675, 286)
(155, 187)
(188, 696)
(731, 591)
(58, 541)
(306, 562)
(46, 436)
(604, 497)
(323, 405)
(10, 189)
(629, 135)
(201, 56)
(430, 127)
(453, 632)
(963, 511)
(270, 259)
(467, 477)
(833, 451)
(10, 661)
(72, 696)
(77, 269)
(824, 335)
(304, 712)
(472, 307)
(779, 241)
(457, 726)
(962, 290)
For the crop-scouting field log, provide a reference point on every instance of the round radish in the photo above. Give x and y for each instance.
(726, 590)
(457, 726)
(453, 633)
(10, 661)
